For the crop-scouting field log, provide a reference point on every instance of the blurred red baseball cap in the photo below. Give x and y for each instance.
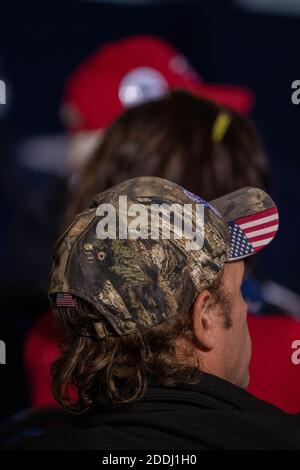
(133, 70)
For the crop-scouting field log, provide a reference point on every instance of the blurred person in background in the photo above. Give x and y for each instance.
(171, 137)
(125, 73)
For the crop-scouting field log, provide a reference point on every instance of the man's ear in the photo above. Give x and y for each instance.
(205, 320)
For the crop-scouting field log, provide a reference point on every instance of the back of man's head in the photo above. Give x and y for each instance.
(147, 282)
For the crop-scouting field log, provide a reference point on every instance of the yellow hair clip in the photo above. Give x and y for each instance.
(220, 127)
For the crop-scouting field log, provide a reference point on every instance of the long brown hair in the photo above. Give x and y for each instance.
(115, 370)
(172, 138)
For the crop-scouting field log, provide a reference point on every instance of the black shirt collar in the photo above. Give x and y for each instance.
(212, 390)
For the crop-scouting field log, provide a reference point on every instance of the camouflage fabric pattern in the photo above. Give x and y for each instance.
(138, 283)
(245, 201)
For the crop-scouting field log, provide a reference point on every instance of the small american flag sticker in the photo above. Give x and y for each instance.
(64, 300)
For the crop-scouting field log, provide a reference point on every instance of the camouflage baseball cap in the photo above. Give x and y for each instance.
(145, 275)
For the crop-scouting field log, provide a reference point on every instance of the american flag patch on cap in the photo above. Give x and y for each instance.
(64, 300)
(252, 233)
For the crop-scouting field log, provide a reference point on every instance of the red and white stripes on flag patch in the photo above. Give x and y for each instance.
(260, 228)
(64, 300)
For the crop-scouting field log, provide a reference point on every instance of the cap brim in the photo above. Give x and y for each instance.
(237, 98)
(253, 220)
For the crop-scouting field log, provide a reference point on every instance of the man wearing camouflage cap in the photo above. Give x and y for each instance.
(146, 283)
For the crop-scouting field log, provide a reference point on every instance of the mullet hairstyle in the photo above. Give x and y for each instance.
(93, 372)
